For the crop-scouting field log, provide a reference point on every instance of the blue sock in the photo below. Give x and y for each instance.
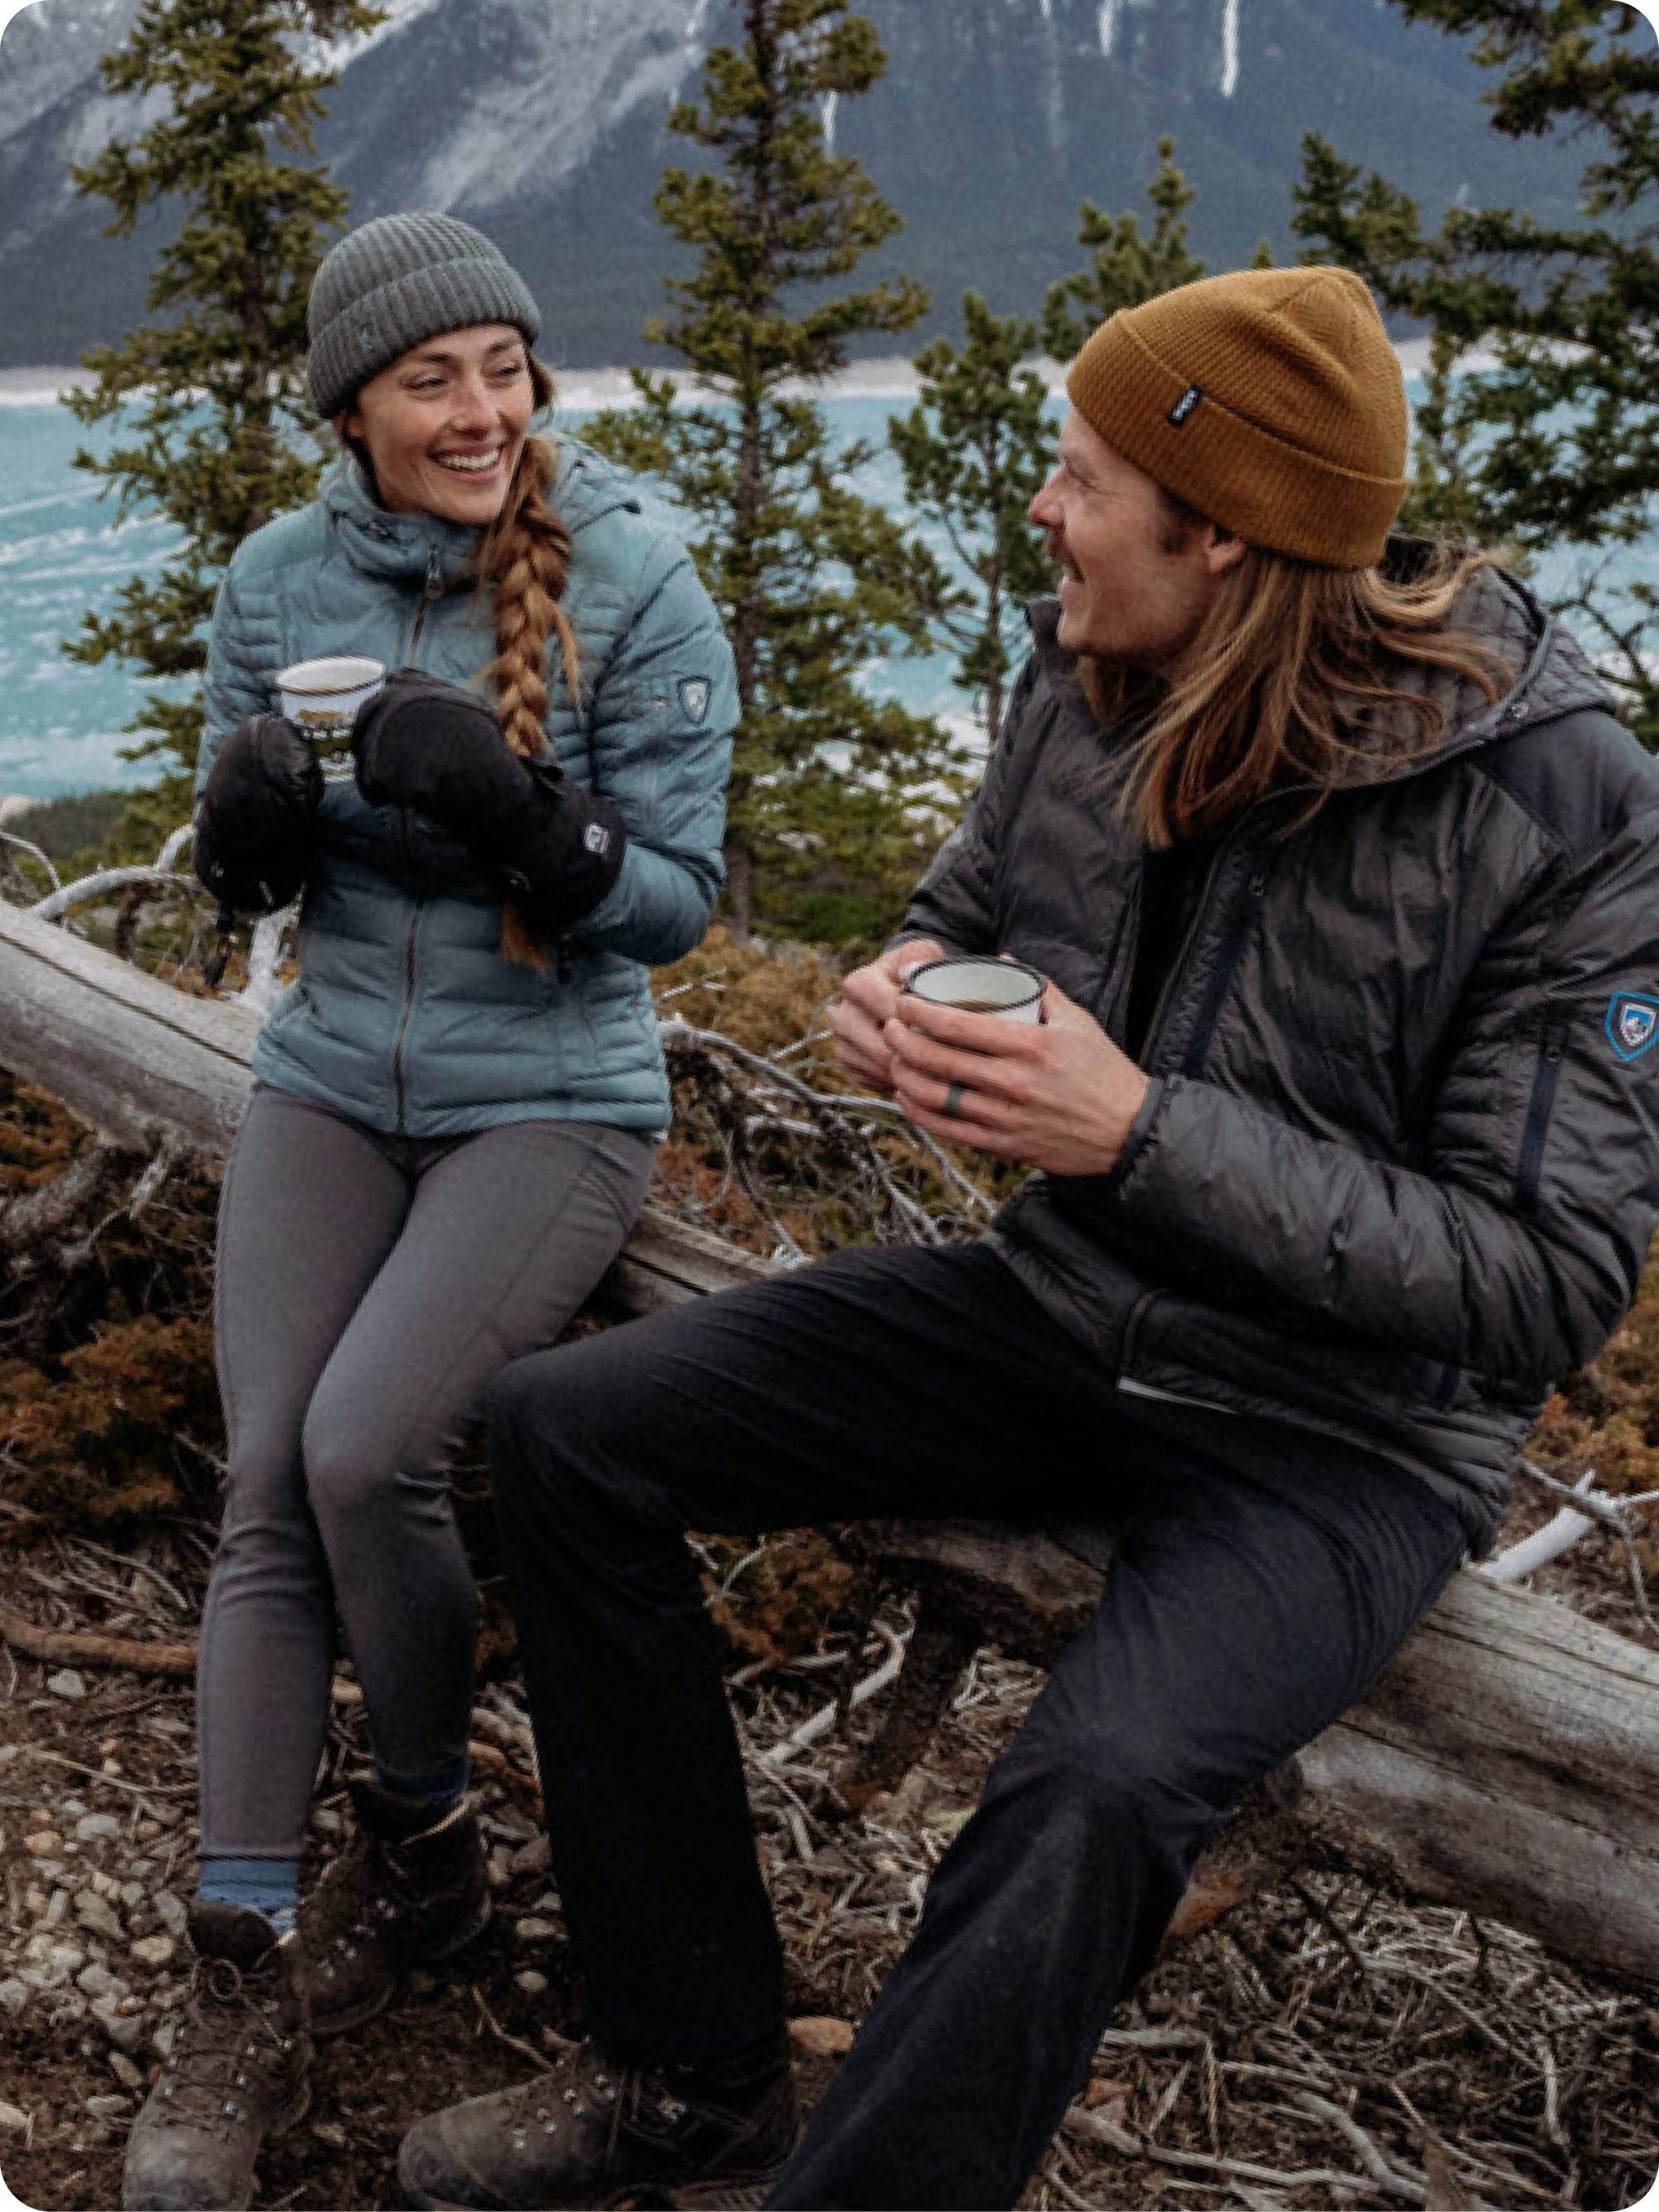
(268, 1886)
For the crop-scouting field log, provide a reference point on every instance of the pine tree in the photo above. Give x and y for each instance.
(1539, 429)
(834, 794)
(975, 451)
(1126, 268)
(213, 429)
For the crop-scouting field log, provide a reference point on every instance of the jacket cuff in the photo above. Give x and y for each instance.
(1140, 1136)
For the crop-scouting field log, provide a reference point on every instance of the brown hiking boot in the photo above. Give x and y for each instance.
(237, 2071)
(588, 2133)
(406, 1891)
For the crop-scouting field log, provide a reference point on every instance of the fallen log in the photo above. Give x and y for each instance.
(1508, 1761)
(79, 1647)
(145, 1063)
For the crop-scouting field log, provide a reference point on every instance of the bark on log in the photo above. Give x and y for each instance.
(1508, 1761)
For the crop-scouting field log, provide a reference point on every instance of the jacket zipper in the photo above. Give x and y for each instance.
(1138, 1313)
(1173, 976)
(397, 1089)
(431, 591)
(1226, 960)
(1529, 1168)
(1254, 887)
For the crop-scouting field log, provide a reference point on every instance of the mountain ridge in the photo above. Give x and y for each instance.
(544, 120)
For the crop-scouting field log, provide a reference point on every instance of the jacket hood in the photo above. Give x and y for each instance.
(1551, 674)
(404, 548)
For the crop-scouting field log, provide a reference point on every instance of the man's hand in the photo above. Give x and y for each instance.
(1059, 1096)
(870, 997)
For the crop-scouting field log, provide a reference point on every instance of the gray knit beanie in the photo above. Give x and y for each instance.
(393, 284)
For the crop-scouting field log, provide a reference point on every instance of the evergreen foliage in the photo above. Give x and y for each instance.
(1127, 267)
(834, 794)
(214, 430)
(1556, 443)
(975, 451)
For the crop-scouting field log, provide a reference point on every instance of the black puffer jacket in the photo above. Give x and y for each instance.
(1400, 1161)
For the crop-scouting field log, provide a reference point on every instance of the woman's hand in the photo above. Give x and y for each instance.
(1058, 1095)
(550, 849)
(254, 831)
(429, 745)
(869, 999)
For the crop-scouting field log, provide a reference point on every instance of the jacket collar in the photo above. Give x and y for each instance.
(399, 548)
(407, 548)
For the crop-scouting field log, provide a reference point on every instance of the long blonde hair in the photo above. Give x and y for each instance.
(1294, 680)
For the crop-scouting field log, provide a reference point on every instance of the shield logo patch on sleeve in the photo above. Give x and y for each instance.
(1633, 1025)
(695, 692)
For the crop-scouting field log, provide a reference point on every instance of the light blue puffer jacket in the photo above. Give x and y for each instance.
(406, 1015)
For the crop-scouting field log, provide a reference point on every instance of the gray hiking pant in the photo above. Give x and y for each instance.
(368, 1289)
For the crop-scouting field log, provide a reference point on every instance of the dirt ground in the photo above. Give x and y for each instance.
(1312, 2036)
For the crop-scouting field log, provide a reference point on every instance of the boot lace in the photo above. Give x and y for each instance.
(226, 2050)
(644, 2111)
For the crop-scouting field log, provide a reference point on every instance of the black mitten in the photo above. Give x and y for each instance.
(551, 850)
(253, 833)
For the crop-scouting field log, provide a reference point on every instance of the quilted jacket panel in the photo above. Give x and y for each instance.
(1398, 1165)
(404, 1014)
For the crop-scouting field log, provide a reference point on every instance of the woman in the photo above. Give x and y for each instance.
(454, 1113)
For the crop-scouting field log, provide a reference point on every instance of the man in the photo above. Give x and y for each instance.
(1343, 1111)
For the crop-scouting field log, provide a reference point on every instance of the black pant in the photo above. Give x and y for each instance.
(1264, 1578)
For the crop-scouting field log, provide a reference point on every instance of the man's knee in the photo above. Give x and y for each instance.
(1119, 1778)
(550, 1418)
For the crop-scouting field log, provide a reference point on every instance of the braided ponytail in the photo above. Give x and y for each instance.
(524, 561)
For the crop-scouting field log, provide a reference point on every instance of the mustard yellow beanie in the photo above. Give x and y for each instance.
(1271, 400)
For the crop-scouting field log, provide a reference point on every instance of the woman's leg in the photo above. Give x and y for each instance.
(311, 1205)
(311, 1208)
(509, 1232)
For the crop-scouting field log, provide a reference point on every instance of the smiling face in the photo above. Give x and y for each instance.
(1135, 584)
(443, 425)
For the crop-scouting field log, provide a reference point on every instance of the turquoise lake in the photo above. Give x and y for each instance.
(64, 554)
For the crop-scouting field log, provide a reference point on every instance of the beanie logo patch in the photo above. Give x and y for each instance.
(1181, 413)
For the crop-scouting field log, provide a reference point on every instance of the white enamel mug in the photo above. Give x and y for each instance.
(321, 698)
(1007, 989)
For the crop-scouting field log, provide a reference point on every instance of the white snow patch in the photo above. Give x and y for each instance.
(699, 17)
(399, 14)
(1108, 25)
(1047, 7)
(1230, 49)
(826, 107)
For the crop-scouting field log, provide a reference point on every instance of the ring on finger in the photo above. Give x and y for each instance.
(953, 1098)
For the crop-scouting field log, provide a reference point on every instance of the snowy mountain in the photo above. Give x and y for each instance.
(542, 120)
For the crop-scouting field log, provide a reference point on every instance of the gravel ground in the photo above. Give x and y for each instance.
(1308, 2037)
